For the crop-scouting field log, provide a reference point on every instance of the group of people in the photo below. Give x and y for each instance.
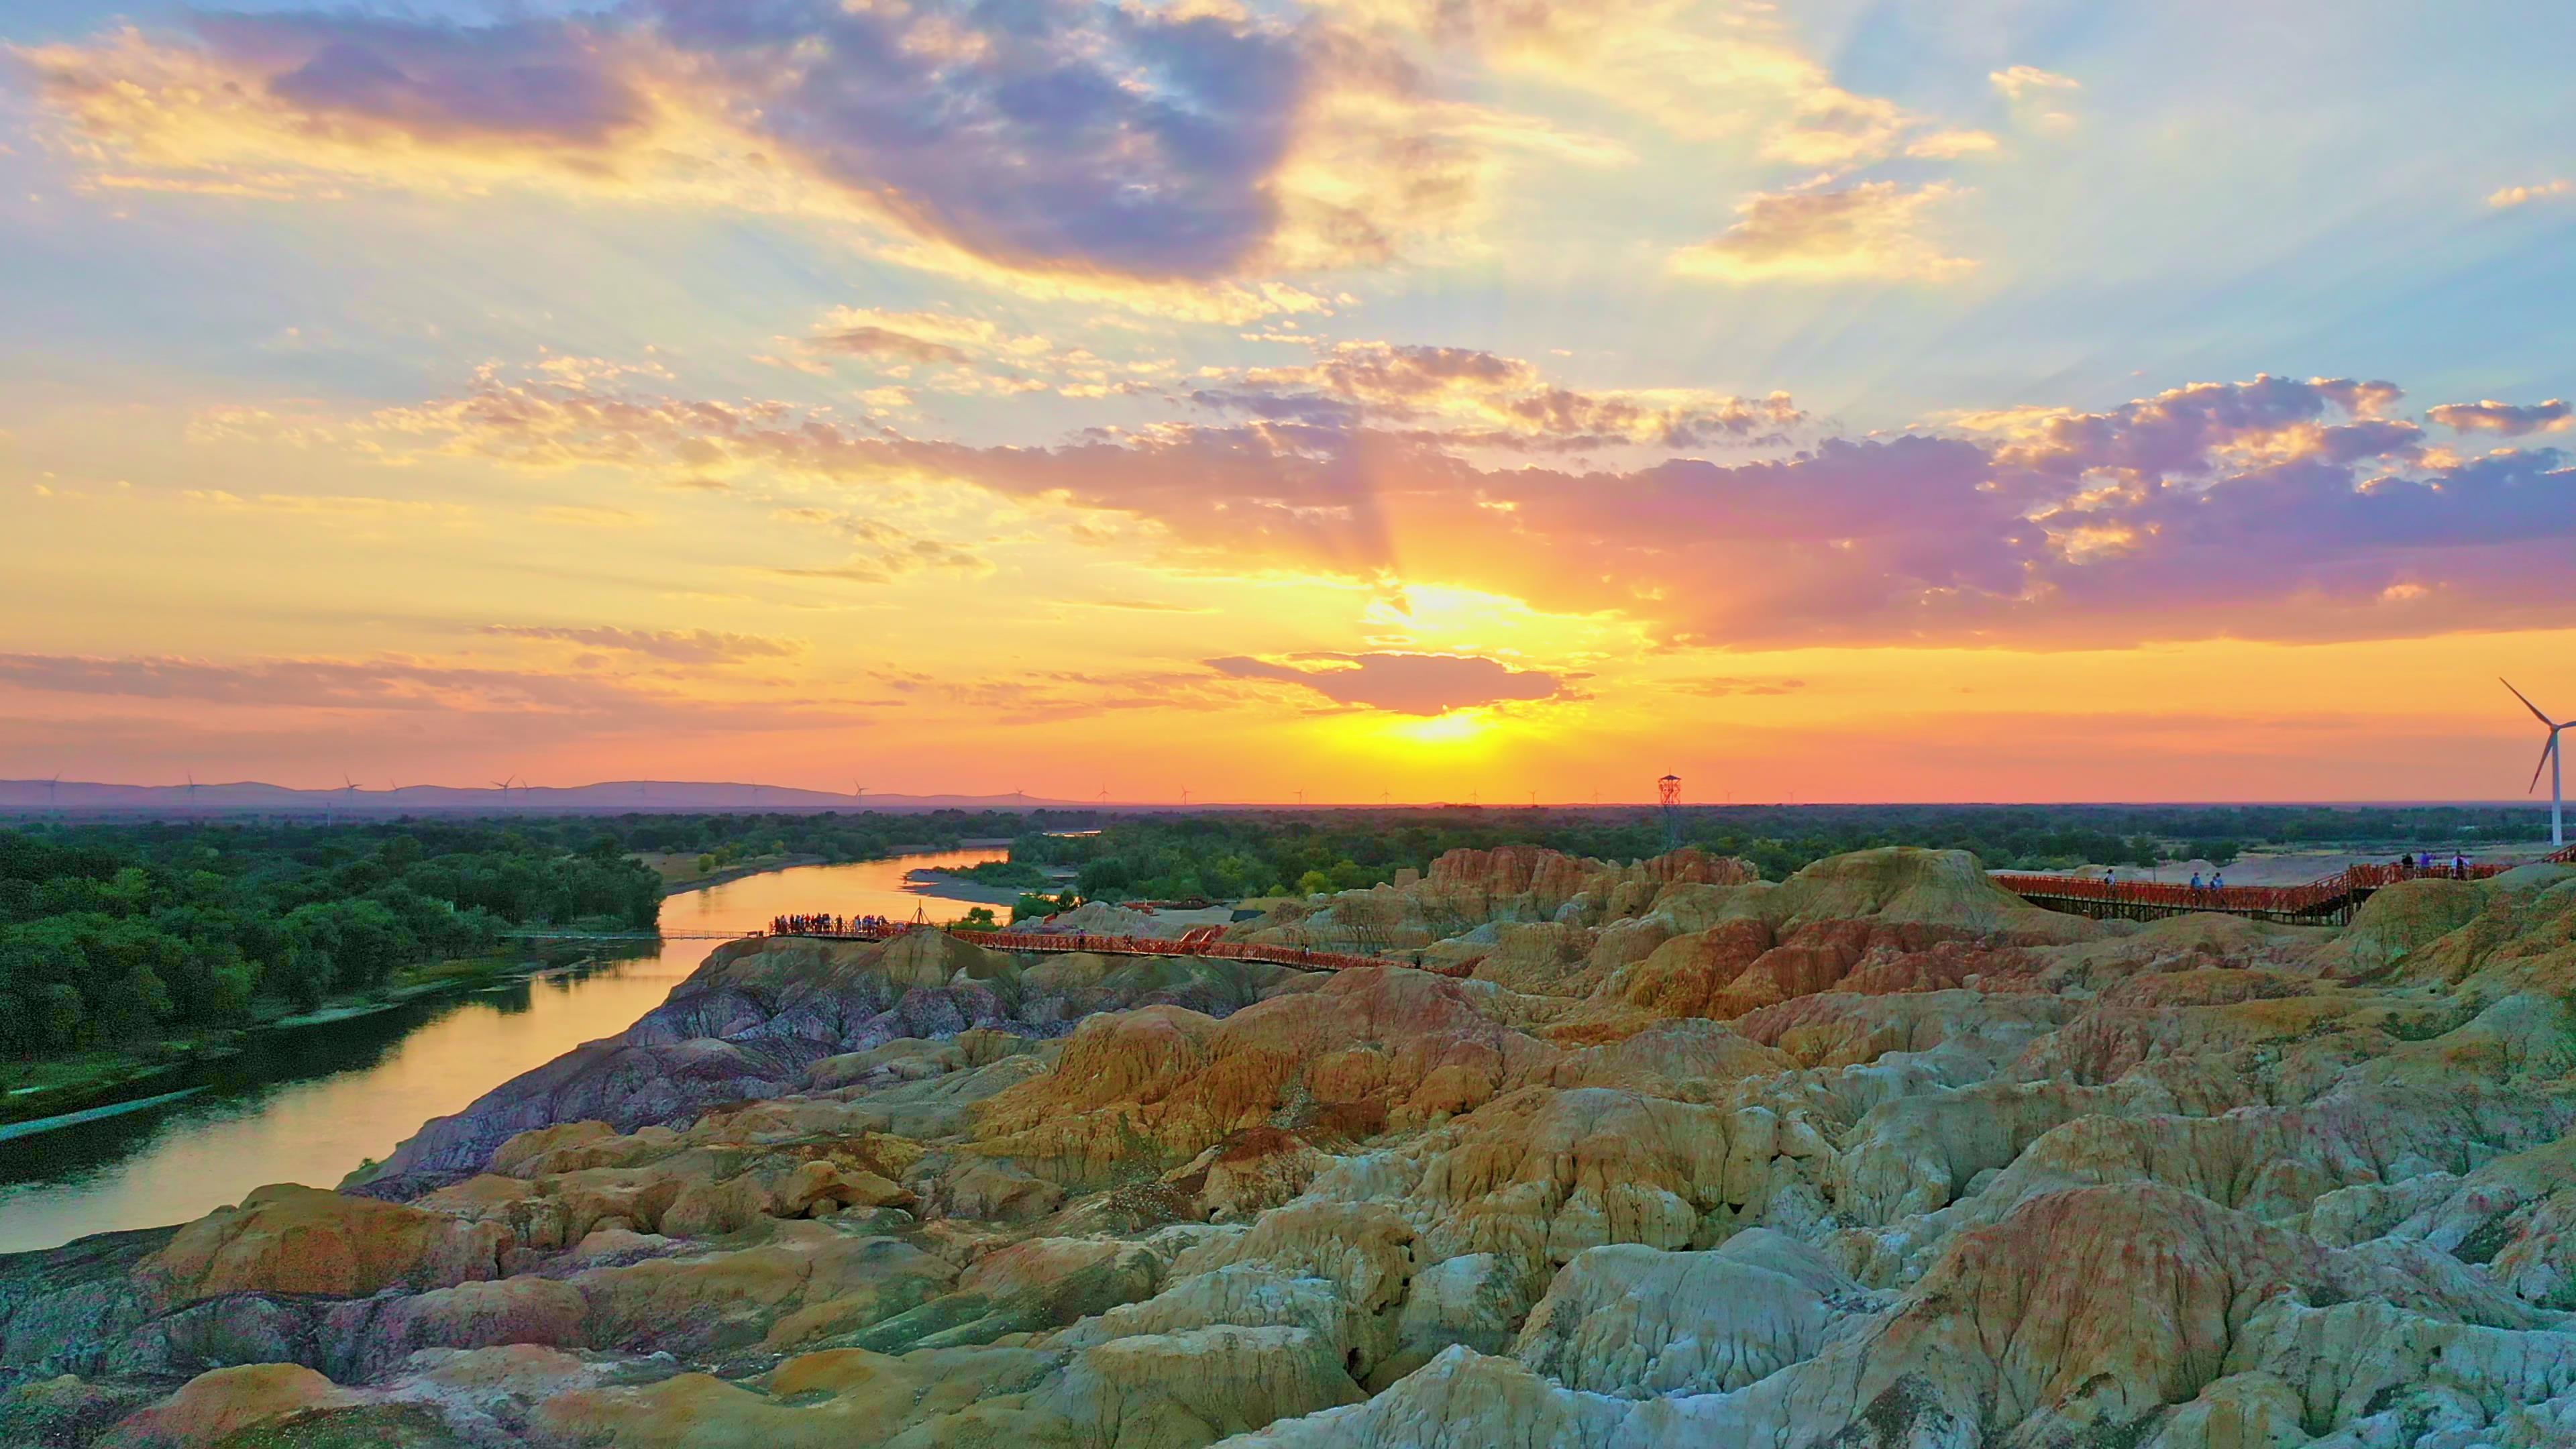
(2409, 867)
(823, 923)
(2217, 883)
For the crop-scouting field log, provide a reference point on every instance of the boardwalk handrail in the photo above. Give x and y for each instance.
(2326, 895)
(2317, 897)
(1198, 942)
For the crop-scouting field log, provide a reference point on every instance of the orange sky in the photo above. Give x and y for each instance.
(1952, 406)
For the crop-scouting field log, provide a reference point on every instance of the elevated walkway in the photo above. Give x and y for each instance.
(1201, 941)
(2327, 901)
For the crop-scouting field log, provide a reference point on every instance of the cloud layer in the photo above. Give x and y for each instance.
(1420, 684)
(2274, 508)
(1099, 144)
(1869, 229)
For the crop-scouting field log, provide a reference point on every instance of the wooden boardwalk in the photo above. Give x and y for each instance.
(1200, 941)
(2327, 901)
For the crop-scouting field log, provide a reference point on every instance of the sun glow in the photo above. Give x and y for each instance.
(1458, 727)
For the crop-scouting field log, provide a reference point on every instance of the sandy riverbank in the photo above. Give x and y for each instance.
(674, 883)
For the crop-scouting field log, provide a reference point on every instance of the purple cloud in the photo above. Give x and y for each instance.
(681, 646)
(540, 81)
(1424, 684)
(2268, 509)
(1465, 397)
(1041, 132)
(2506, 418)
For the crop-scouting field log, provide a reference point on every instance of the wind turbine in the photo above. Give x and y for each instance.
(192, 794)
(2548, 756)
(503, 785)
(53, 787)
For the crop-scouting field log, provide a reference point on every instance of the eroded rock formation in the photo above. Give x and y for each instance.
(1879, 1156)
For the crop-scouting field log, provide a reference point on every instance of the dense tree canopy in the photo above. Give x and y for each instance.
(113, 932)
(110, 933)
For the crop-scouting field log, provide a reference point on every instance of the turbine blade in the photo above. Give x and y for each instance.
(2526, 703)
(2545, 751)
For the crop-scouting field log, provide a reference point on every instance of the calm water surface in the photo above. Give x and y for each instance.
(310, 1105)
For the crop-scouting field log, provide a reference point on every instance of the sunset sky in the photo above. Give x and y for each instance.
(1918, 399)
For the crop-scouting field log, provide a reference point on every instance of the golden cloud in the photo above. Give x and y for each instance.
(1871, 229)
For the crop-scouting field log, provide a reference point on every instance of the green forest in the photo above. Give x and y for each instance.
(116, 933)
(112, 934)
(834, 837)
(1222, 856)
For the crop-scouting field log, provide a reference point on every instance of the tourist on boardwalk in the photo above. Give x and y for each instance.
(2195, 887)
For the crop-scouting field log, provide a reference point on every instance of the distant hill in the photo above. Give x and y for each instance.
(612, 797)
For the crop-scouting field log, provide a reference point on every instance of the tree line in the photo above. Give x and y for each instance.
(115, 933)
(1232, 855)
(121, 932)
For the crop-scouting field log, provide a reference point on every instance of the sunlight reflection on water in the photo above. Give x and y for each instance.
(308, 1106)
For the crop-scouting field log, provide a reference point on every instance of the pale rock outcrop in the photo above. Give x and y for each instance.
(1844, 1029)
(753, 1020)
(212, 1406)
(2084, 1312)
(1365, 1251)
(291, 1239)
(367, 1336)
(1370, 1049)
(829, 1400)
(1913, 1154)
(1460, 1400)
(1157, 1391)
(2240, 1411)
(1541, 1175)
(1475, 1300)
(1635, 1322)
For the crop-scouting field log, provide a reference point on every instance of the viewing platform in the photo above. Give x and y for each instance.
(2327, 901)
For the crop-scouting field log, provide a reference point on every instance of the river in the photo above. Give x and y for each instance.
(309, 1105)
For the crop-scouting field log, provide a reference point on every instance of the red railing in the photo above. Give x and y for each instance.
(2313, 898)
(1199, 941)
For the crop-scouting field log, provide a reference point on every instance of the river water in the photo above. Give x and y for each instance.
(309, 1105)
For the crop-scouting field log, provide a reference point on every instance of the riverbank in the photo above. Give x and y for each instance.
(965, 887)
(76, 1086)
(307, 1105)
(679, 878)
(675, 881)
